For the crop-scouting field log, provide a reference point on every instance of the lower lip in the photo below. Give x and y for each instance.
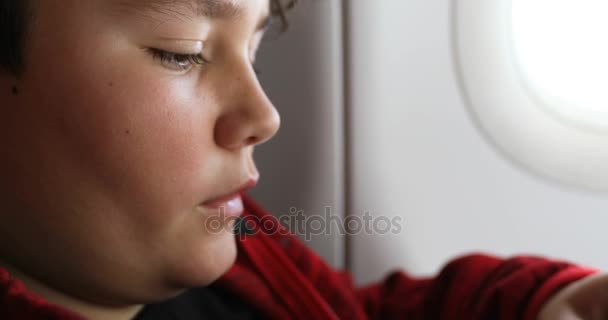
(230, 208)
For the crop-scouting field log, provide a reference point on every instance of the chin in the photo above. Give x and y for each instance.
(207, 264)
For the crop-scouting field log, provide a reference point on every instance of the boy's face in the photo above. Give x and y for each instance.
(111, 142)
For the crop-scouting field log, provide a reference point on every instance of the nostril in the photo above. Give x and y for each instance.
(251, 140)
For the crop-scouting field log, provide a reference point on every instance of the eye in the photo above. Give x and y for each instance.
(177, 61)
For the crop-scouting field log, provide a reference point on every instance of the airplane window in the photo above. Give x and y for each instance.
(561, 47)
(534, 77)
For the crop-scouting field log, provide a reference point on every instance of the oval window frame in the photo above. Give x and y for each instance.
(506, 113)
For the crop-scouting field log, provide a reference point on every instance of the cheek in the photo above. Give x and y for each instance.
(146, 141)
(158, 140)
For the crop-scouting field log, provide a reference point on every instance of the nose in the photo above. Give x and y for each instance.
(248, 117)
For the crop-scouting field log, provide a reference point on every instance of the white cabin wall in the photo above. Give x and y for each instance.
(416, 153)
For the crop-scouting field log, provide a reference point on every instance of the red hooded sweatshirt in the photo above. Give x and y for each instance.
(280, 278)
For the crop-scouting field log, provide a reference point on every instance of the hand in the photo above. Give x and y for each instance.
(584, 299)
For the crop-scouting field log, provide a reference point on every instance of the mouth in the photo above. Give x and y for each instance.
(230, 203)
(229, 207)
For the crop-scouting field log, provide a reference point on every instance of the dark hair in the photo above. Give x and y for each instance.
(14, 26)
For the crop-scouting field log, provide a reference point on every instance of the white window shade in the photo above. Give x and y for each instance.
(545, 110)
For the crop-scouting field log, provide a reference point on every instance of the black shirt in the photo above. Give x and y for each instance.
(198, 303)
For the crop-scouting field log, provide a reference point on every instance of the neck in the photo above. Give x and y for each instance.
(84, 308)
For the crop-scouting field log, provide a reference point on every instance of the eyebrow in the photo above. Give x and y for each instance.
(212, 9)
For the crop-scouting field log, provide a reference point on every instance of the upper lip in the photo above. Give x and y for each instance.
(248, 184)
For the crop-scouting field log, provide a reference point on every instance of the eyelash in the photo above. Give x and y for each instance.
(178, 60)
